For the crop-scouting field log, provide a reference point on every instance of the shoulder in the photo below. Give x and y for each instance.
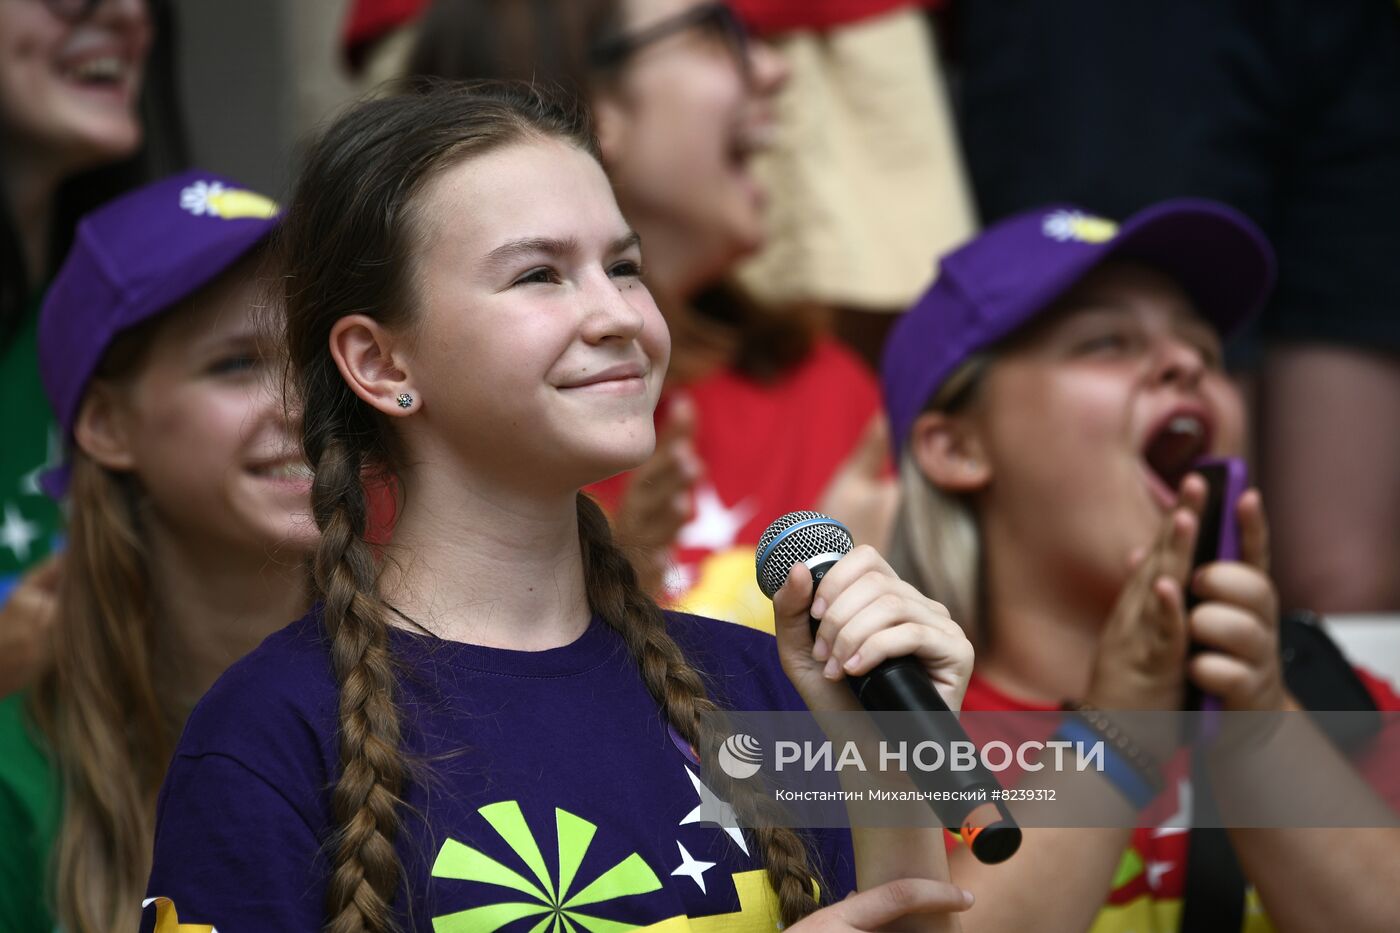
(269, 701)
(739, 663)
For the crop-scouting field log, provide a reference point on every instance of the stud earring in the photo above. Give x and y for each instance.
(405, 400)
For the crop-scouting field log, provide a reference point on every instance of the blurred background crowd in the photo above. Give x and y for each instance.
(795, 169)
(887, 132)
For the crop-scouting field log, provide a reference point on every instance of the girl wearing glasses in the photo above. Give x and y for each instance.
(86, 112)
(683, 102)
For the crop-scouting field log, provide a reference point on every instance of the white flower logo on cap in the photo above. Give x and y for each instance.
(1076, 225)
(212, 199)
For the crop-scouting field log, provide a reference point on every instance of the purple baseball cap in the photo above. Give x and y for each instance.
(132, 259)
(1018, 268)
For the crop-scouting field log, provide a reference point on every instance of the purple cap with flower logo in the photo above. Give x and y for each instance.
(132, 259)
(1017, 269)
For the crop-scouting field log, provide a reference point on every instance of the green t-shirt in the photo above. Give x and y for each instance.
(29, 811)
(30, 522)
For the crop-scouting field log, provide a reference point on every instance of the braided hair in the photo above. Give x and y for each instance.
(347, 245)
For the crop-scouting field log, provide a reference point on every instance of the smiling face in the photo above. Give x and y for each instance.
(1089, 420)
(68, 90)
(201, 425)
(679, 129)
(536, 351)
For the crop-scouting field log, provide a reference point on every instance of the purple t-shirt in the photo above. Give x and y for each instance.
(549, 787)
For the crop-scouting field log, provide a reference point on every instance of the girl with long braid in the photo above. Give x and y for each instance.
(487, 724)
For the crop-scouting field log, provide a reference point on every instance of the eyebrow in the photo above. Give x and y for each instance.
(550, 246)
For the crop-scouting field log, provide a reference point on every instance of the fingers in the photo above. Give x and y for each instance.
(879, 906)
(1233, 631)
(1239, 684)
(1178, 544)
(790, 609)
(872, 603)
(1242, 585)
(861, 560)
(1168, 619)
(1254, 530)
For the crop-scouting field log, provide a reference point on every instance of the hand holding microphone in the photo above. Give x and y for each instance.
(843, 614)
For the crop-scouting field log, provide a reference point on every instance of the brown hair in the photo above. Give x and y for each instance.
(348, 243)
(106, 716)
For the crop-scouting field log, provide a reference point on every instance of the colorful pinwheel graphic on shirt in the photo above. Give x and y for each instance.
(555, 901)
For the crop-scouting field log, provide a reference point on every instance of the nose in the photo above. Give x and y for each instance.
(609, 315)
(1179, 362)
(768, 69)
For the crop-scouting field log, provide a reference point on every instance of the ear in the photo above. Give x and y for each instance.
(370, 359)
(101, 429)
(950, 452)
(610, 123)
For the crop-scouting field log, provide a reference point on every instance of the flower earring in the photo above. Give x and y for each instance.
(405, 400)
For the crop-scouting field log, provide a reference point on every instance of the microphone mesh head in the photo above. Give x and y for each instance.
(794, 539)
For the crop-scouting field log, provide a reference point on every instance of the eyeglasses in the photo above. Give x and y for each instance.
(715, 18)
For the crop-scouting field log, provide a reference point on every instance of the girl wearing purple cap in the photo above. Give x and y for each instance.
(1048, 498)
(488, 723)
(188, 508)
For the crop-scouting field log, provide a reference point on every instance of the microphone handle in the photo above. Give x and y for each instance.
(901, 685)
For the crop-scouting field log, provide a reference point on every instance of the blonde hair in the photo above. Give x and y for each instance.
(106, 716)
(937, 543)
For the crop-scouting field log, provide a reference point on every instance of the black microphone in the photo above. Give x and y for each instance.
(897, 685)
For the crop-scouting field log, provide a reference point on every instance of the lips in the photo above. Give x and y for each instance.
(283, 470)
(109, 67)
(620, 373)
(1176, 441)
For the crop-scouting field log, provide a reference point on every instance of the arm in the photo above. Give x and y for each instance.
(867, 615)
(232, 851)
(1060, 878)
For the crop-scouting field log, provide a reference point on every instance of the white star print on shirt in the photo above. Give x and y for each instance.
(716, 811)
(1180, 821)
(692, 868)
(714, 526)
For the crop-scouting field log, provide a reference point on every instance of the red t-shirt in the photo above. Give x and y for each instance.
(1147, 891)
(768, 447)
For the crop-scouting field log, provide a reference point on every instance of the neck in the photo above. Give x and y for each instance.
(476, 562)
(217, 604)
(30, 187)
(1043, 632)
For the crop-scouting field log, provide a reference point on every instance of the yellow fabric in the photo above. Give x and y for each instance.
(866, 180)
(168, 920)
